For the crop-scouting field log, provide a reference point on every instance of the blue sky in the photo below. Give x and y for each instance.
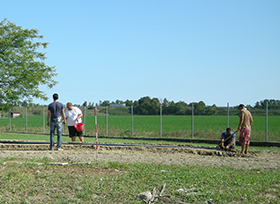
(182, 50)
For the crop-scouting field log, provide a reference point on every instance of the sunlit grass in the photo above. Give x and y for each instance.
(115, 182)
(205, 127)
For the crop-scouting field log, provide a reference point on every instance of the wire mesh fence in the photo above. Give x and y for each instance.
(123, 122)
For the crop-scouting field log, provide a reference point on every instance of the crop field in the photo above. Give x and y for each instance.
(205, 127)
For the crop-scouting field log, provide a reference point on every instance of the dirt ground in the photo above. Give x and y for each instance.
(162, 155)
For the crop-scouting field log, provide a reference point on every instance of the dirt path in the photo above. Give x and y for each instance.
(163, 155)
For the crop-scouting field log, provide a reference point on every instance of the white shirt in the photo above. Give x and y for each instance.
(71, 116)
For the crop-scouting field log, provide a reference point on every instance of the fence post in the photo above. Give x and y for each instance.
(161, 120)
(96, 133)
(192, 121)
(227, 114)
(84, 119)
(266, 125)
(107, 120)
(131, 121)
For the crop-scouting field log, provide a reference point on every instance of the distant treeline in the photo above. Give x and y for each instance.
(151, 106)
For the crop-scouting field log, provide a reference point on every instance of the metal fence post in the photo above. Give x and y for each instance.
(192, 121)
(131, 121)
(107, 120)
(84, 119)
(160, 120)
(266, 123)
(227, 114)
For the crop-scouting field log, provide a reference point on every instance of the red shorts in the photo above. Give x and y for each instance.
(245, 134)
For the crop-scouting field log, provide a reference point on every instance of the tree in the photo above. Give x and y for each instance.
(147, 106)
(85, 104)
(128, 102)
(105, 103)
(22, 67)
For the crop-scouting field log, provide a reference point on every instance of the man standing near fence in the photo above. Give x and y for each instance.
(245, 122)
(74, 115)
(56, 111)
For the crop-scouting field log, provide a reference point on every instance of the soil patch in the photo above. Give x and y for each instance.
(200, 156)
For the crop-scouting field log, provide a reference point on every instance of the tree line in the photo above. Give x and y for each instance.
(153, 106)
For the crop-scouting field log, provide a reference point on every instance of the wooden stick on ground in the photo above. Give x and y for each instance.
(163, 188)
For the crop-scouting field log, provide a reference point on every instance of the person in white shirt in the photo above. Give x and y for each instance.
(74, 115)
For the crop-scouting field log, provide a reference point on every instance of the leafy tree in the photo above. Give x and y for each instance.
(165, 105)
(211, 110)
(199, 108)
(128, 102)
(85, 104)
(172, 108)
(147, 106)
(105, 103)
(272, 104)
(183, 108)
(119, 102)
(22, 67)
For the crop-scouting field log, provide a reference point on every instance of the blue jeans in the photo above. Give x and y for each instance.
(58, 126)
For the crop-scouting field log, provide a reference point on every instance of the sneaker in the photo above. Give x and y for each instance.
(59, 149)
(51, 149)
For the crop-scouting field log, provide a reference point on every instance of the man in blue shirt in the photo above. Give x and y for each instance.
(56, 111)
(227, 139)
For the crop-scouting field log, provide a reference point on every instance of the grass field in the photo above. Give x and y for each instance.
(24, 181)
(205, 127)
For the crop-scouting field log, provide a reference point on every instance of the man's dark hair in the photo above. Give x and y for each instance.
(228, 129)
(55, 96)
(241, 106)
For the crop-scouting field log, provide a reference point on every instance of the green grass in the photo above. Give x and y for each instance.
(205, 127)
(115, 182)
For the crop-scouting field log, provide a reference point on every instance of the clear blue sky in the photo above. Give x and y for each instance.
(183, 50)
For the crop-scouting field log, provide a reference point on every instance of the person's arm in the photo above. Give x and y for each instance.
(231, 143)
(222, 143)
(251, 120)
(48, 117)
(79, 116)
(241, 120)
(63, 115)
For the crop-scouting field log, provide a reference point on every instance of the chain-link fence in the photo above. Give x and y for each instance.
(122, 121)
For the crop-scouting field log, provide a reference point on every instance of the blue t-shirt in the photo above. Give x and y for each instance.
(227, 137)
(55, 108)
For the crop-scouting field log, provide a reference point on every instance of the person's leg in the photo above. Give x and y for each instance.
(59, 129)
(80, 135)
(52, 128)
(81, 139)
(241, 141)
(246, 148)
(242, 148)
(247, 134)
(72, 133)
